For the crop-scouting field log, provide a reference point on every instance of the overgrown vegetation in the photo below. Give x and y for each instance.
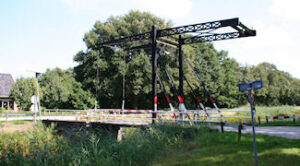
(154, 145)
(42, 146)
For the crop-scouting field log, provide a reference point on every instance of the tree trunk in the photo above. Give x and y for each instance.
(135, 103)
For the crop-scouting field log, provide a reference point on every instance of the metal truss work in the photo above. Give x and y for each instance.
(194, 33)
(213, 37)
(205, 29)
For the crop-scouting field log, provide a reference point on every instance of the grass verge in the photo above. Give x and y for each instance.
(212, 148)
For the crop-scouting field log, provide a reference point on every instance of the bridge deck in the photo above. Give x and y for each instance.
(104, 122)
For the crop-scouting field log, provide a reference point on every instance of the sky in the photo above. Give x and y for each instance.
(40, 34)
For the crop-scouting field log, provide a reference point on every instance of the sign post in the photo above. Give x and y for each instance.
(34, 107)
(249, 86)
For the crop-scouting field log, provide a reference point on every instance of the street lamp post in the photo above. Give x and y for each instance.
(37, 98)
(37, 75)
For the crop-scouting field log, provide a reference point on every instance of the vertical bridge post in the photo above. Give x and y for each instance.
(154, 68)
(180, 68)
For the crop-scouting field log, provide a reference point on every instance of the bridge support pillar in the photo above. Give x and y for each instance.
(120, 134)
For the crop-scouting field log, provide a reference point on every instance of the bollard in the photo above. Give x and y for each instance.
(222, 127)
(240, 132)
(258, 120)
(267, 120)
(294, 118)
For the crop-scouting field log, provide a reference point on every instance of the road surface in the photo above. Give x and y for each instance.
(281, 131)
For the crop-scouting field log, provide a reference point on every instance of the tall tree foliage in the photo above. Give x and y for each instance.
(278, 87)
(219, 73)
(110, 63)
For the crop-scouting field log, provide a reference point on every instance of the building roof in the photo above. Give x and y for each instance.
(6, 81)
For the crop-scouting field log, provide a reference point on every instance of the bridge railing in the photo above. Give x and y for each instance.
(16, 116)
(162, 115)
(130, 115)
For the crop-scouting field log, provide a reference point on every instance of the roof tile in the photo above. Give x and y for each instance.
(6, 81)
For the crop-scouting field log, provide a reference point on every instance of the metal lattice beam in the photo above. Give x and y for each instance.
(198, 27)
(204, 28)
(215, 37)
(206, 38)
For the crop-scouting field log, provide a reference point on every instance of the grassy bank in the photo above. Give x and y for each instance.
(156, 145)
(223, 149)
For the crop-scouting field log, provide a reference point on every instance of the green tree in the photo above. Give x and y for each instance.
(110, 62)
(279, 88)
(61, 90)
(21, 92)
(228, 92)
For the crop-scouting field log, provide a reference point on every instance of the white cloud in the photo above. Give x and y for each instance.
(270, 36)
(273, 44)
(286, 9)
(163, 8)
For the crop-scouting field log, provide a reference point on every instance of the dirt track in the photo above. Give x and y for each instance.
(9, 127)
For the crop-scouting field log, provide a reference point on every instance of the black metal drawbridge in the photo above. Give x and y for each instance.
(202, 32)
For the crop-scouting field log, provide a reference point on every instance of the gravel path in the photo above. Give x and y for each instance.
(281, 131)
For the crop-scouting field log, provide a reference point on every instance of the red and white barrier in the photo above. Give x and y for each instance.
(202, 107)
(215, 105)
(280, 117)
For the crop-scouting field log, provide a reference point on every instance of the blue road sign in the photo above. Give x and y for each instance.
(253, 85)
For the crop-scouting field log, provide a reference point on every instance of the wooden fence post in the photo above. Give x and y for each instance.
(239, 132)
(222, 127)
(267, 120)
(294, 118)
(258, 120)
